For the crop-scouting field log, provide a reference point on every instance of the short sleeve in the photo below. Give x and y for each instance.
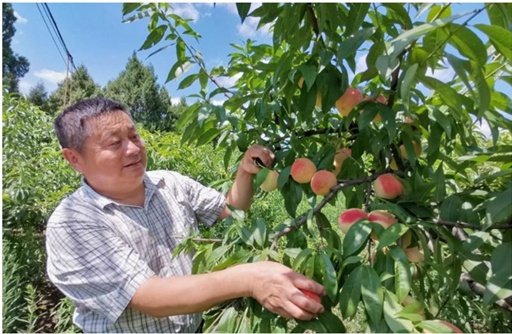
(206, 202)
(93, 267)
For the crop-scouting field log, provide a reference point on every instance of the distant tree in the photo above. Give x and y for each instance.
(138, 89)
(38, 96)
(80, 86)
(14, 66)
(173, 111)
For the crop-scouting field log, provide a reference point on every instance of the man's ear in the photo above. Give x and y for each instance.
(74, 158)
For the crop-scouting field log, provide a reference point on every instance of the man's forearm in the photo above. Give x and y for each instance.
(163, 297)
(241, 194)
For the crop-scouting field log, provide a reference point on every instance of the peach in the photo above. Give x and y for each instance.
(301, 82)
(415, 145)
(414, 254)
(311, 295)
(393, 164)
(303, 170)
(454, 328)
(322, 182)
(406, 239)
(349, 217)
(319, 100)
(339, 158)
(270, 182)
(348, 101)
(388, 187)
(381, 99)
(410, 300)
(408, 120)
(381, 217)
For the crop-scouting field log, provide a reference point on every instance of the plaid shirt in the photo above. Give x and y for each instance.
(100, 252)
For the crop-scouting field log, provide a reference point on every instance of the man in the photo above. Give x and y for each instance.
(110, 243)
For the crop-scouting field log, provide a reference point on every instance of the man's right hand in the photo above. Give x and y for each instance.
(276, 287)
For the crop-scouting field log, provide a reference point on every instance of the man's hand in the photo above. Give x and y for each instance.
(276, 287)
(256, 151)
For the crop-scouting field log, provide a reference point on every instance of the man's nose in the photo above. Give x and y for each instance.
(132, 149)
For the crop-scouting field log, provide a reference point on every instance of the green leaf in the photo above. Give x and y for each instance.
(129, 7)
(402, 14)
(356, 237)
(467, 43)
(331, 322)
(391, 234)
(180, 49)
(449, 95)
(260, 232)
(356, 17)
(398, 44)
(440, 189)
(138, 16)
(154, 37)
(498, 208)
(330, 280)
(188, 81)
(351, 293)
(386, 65)
(179, 68)
(391, 309)
(373, 294)
(351, 44)
(482, 88)
(301, 258)
(458, 66)
(407, 83)
(283, 177)
(227, 322)
(243, 10)
(309, 73)
(388, 119)
(315, 325)
(500, 37)
(499, 285)
(434, 326)
(402, 273)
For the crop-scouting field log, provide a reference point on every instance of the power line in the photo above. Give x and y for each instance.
(51, 35)
(59, 35)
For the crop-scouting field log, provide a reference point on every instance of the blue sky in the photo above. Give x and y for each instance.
(97, 38)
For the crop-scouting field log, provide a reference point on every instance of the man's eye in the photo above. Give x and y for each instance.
(135, 136)
(115, 143)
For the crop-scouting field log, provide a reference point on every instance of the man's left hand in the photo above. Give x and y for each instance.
(256, 151)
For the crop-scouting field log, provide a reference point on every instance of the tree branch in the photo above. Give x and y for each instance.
(479, 290)
(507, 225)
(302, 219)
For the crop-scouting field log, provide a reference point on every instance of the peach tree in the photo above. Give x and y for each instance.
(424, 235)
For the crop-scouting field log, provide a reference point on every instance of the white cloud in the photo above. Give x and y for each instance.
(217, 102)
(444, 75)
(175, 101)
(231, 7)
(361, 63)
(25, 86)
(228, 82)
(249, 28)
(484, 127)
(19, 18)
(50, 76)
(186, 11)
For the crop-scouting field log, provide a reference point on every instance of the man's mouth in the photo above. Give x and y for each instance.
(133, 164)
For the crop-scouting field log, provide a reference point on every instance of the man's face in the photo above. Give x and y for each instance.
(114, 157)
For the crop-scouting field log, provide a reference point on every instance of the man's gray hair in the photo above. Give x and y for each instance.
(70, 126)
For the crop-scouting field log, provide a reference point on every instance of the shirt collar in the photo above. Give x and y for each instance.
(151, 182)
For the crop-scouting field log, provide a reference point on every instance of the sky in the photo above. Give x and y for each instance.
(97, 38)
